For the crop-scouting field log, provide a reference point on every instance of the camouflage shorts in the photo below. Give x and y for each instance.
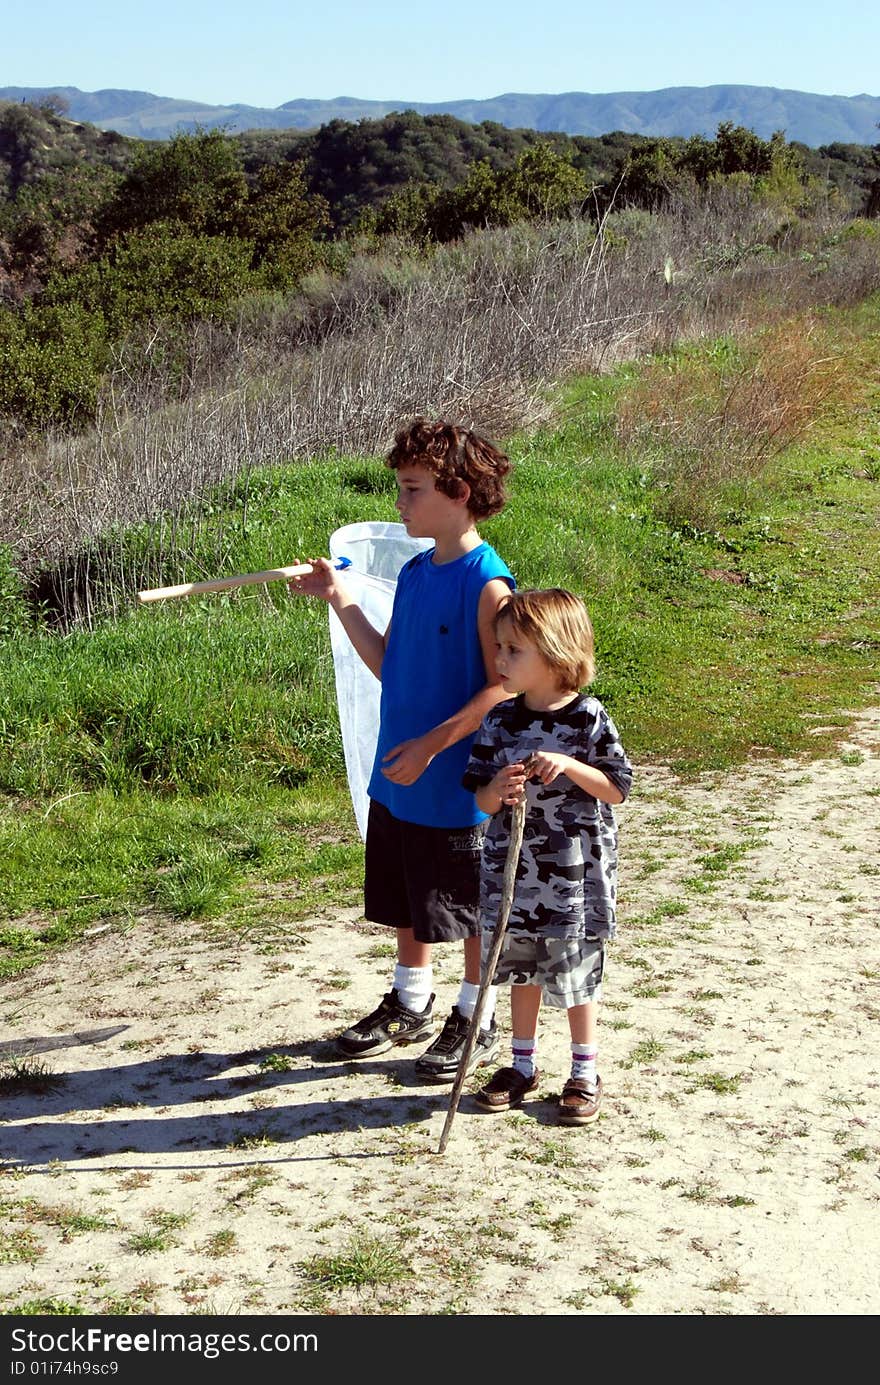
(568, 970)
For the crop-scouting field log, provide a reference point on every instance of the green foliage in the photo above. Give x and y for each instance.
(181, 236)
(655, 171)
(49, 223)
(194, 181)
(541, 183)
(282, 221)
(13, 612)
(163, 271)
(366, 1260)
(36, 142)
(53, 356)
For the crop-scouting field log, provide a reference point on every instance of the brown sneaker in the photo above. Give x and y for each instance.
(506, 1089)
(579, 1103)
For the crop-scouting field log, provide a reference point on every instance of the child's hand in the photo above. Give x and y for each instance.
(547, 765)
(323, 581)
(510, 783)
(405, 762)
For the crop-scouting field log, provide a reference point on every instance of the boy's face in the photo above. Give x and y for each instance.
(426, 512)
(519, 664)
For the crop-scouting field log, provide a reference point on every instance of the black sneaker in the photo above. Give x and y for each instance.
(389, 1024)
(439, 1063)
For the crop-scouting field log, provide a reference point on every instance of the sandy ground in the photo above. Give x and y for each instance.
(199, 1148)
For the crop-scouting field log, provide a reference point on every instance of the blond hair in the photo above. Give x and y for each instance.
(556, 622)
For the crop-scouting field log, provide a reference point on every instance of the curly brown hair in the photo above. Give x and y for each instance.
(454, 456)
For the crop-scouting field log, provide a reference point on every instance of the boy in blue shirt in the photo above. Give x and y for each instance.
(436, 664)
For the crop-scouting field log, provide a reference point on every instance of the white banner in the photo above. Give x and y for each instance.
(377, 552)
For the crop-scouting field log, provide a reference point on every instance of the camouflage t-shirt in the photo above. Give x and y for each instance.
(566, 881)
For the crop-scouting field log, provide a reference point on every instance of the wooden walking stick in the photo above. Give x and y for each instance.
(511, 861)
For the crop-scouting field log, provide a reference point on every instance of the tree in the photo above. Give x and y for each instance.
(195, 181)
(281, 220)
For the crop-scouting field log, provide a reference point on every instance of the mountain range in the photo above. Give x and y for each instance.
(806, 117)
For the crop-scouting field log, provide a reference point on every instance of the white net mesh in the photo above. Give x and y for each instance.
(377, 552)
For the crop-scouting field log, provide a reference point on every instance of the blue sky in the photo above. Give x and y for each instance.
(265, 52)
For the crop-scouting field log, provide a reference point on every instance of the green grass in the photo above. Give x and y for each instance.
(177, 757)
(26, 1074)
(365, 1261)
(644, 1052)
(44, 1307)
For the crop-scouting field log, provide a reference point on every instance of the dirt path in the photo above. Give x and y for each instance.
(203, 1152)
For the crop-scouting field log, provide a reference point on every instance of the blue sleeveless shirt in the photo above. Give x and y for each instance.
(433, 665)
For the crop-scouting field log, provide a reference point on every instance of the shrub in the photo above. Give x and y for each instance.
(164, 271)
(53, 357)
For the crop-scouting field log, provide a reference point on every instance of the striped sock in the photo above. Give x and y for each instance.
(524, 1052)
(583, 1062)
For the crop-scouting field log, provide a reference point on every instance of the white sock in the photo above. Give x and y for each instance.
(524, 1054)
(583, 1062)
(413, 986)
(467, 1003)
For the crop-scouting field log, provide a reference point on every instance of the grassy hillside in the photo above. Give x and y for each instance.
(170, 755)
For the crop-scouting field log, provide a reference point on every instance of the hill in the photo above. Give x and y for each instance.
(809, 118)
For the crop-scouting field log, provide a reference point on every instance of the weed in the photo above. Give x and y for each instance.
(44, 1307)
(852, 758)
(381, 950)
(69, 1221)
(366, 1260)
(694, 1055)
(262, 1138)
(220, 1243)
(719, 860)
(162, 1238)
(726, 1284)
(700, 1192)
(138, 1178)
(21, 1075)
(276, 1062)
(624, 1290)
(547, 1152)
(20, 1247)
(644, 1052)
(717, 1082)
(133, 1304)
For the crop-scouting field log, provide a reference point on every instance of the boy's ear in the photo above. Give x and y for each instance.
(463, 493)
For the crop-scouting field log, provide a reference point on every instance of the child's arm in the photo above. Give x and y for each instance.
(548, 765)
(325, 582)
(405, 762)
(603, 770)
